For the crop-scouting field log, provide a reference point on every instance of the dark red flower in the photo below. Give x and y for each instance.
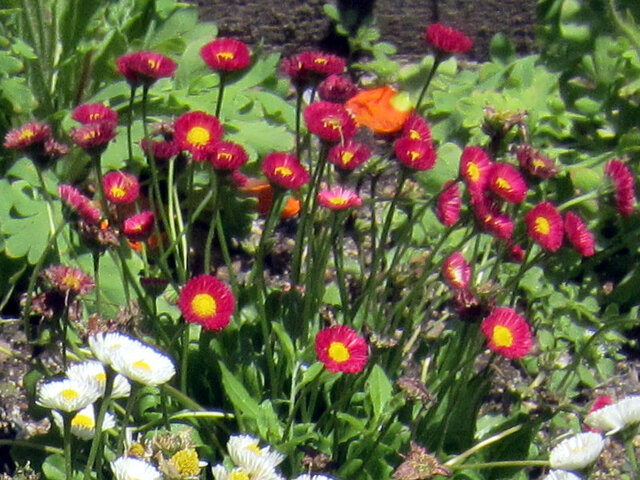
(490, 218)
(516, 253)
(446, 39)
(349, 155)
(456, 271)
(121, 187)
(579, 235)
(138, 227)
(417, 128)
(337, 89)
(228, 156)
(226, 54)
(197, 132)
(535, 163)
(475, 166)
(341, 349)
(161, 149)
(545, 226)
(207, 301)
(27, 136)
(311, 67)
(507, 332)
(144, 68)
(506, 182)
(449, 204)
(80, 204)
(329, 121)
(415, 154)
(54, 150)
(68, 280)
(284, 170)
(94, 113)
(624, 184)
(93, 138)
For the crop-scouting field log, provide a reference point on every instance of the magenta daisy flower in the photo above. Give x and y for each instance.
(284, 170)
(516, 253)
(121, 187)
(446, 39)
(337, 89)
(579, 235)
(27, 136)
(329, 121)
(507, 332)
(417, 128)
(144, 68)
(341, 349)
(197, 132)
(94, 113)
(506, 182)
(415, 154)
(475, 166)
(456, 271)
(490, 218)
(207, 301)
(226, 54)
(535, 163)
(624, 184)
(349, 155)
(311, 67)
(93, 138)
(80, 204)
(545, 226)
(139, 227)
(448, 204)
(228, 156)
(338, 198)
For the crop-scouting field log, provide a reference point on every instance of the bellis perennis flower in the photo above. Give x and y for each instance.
(131, 468)
(94, 113)
(615, 417)
(284, 170)
(545, 226)
(93, 371)
(207, 301)
(67, 395)
(83, 423)
(415, 155)
(258, 463)
(349, 155)
(338, 198)
(448, 204)
(329, 121)
(226, 54)
(475, 166)
(144, 68)
(507, 332)
(121, 187)
(341, 349)
(576, 452)
(446, 39)
(197, 132)
(456, 271)
(561, 475)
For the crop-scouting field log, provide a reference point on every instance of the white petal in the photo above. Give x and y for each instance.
(577, 452)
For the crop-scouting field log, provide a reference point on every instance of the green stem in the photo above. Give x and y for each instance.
(102, 411)
(436, 62)
(208, 246)
(223, 81)
(224, 248)
(32, 446)
(184, 359)
(299, 92)
(132, 96)
(630, 451)
(96, 276)
(479, 446)
(504, 464)
(66, 433)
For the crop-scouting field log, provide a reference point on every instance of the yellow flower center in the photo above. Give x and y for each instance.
(225, 156)
(414, 135)
(71, 281)
(338, 352)
(538, 164)
(198, 136)
(284, 171)
(321, 61)
(153, 64)
(204, 305)
(95, 116)
(455, 275)
(142, 365)
(83, 421)
(90, 135)
(473, 172)
(101, 377)
(26, 134)
(186, 462)
(225, 56)
(338, 201)
(502, 336)
(69, 394)
(332, 123)
(503, 184)
(117, 191)
(346, 157)
(542, 226)
(238, 474)
(414, 155)
(254, 448)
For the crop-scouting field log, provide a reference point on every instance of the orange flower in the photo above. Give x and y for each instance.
(263, 192)
(383, 109)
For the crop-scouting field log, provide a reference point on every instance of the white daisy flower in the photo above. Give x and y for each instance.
(561, 475)
(83, 423)
(259, 463)
(306, 476)
(67, 395)
(576, 452)
(220, 472)
(143, 364)
(131, 468)
(93, 370)
(613, 418)
(105, 345)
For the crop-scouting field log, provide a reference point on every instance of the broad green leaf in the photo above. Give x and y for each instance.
(242, 402)
(285, 342)
(380, 390)
(584, 179)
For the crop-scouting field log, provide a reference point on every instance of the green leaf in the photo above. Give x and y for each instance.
(574, 19)
(501, 49)
(9, 64)
(263, 68)
(586, 376)
(261, 135)
(331, 11)
(53, 467)
(285, 342)
(584, 179)
(380, 390)
(243, 403)
(18, 94)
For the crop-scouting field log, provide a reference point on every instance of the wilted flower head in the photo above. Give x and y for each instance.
(94, 113)
(349, 155)
(579, 235)
(228, 156)
(329, 121)
(576, 452)
(416, 155)
(624, 185)
(507, 332)
(545, 226)
(284, 170)
(54, 150)
(139, 227)
(338, 198)
(535, 163)
(446, 39)
(207, 301)
(184, 464)
(69, 280)
(420, 465)
(383, 110)
(197, 132)
(341, 349)
(448, 204)
(144, 68)
(226, 54)
(121, 187)
(337, 89)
